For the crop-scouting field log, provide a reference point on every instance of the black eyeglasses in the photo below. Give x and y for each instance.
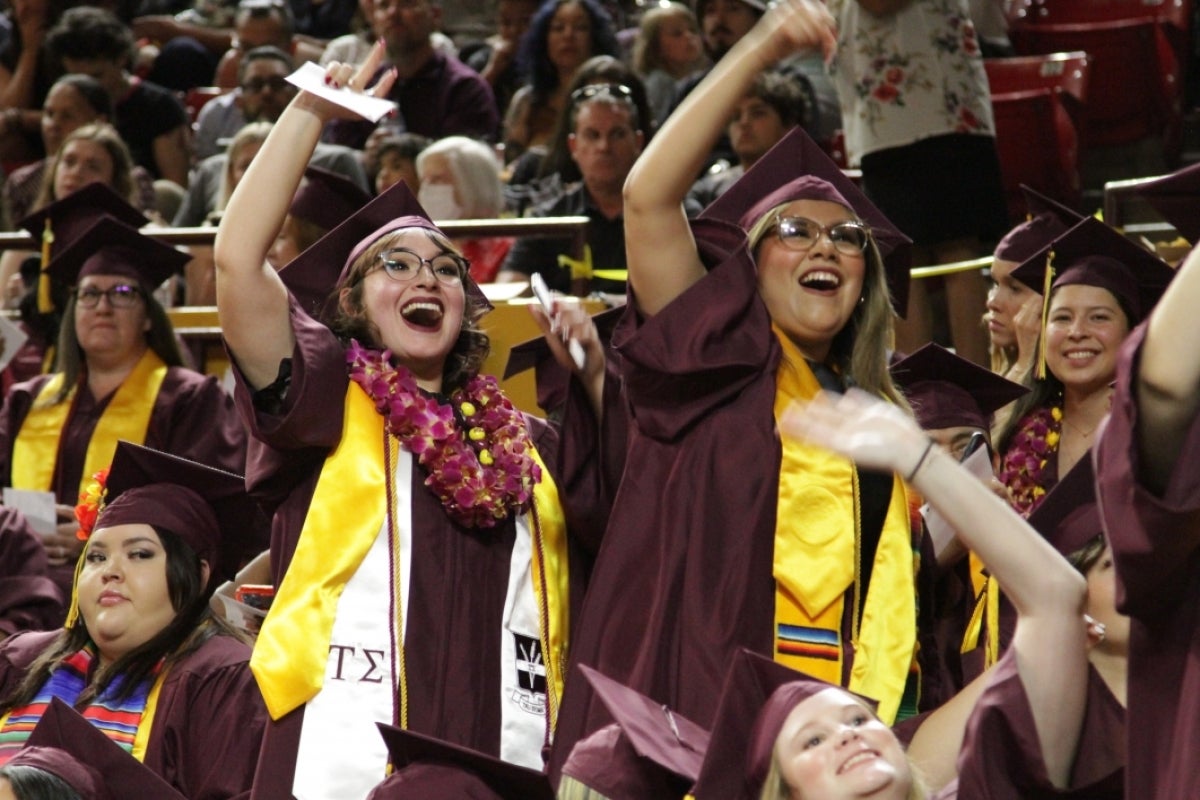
(276, 83)
(404, 265)
(617, 91)
(123, 295)
(800, 233)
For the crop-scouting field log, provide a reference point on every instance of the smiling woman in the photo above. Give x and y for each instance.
(142, 656)
(1102, 286)
(410, 483)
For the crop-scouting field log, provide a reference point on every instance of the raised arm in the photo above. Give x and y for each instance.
(660, 251)
(1048, 593)
(252, 302)
(1168, 378)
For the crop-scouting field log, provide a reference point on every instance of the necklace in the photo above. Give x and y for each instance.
(1077, 429)
(482, 474)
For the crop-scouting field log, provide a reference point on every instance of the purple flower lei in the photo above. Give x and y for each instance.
(481, 475)
(1024, 465)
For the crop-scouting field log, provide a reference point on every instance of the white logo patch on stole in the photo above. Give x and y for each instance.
(523, 681)
(341, 754)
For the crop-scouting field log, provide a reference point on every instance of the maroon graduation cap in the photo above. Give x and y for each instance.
(312, 276)
(1048, 219)
(60, 223)
(948, 391)
(731, 768)
(110, 247)
(208, 508)
(72, 215)
(1068, 516)
(67, 745)
(429, 767)
(650, 751)
(1177, 198)
(796, 168)
(1093, 254)
(326, 199)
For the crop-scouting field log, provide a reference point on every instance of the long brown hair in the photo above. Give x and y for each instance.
(860, 349)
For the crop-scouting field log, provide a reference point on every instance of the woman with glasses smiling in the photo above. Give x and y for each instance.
(420, 552)
(722, 536)
(119, 375)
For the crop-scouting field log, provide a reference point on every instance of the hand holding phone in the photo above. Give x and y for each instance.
(542, 292)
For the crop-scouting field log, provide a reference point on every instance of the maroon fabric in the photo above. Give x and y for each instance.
(1068, 517)
(684, 576)
(1156, 545)
(607, 763)
(458, 579)
(193, 417)
(433, 780)
(948, 391)
(205, 737)
(83, 779)
(326, 198)
(1001, 758)
(768, 725)
(170, 506)
(29, 599)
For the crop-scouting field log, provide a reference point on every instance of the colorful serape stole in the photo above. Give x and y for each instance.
(118, 721)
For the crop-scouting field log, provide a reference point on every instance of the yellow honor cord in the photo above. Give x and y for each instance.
(45, 302)
(1047, 282)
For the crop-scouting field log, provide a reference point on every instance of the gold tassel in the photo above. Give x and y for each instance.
(1047, 282)
(45, 302)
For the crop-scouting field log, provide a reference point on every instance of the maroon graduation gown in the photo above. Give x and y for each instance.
(193, 417)
(684, 575)
(205, 737)
(1156, 545)
(29, 599)
(459, 576)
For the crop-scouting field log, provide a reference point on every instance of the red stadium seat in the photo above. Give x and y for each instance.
(1038, 146)
(1068, 72)
(1134, 86)
(197, 96)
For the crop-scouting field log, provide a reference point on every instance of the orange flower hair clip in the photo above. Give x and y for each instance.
(91, 503)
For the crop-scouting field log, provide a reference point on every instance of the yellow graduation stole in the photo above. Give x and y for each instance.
(292, 649)
(127, 416)
(986, 612)
(817, 548)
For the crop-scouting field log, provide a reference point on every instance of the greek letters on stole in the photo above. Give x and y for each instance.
(330, 600)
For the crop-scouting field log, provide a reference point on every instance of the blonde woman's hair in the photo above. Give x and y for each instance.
(647, 52)
(860, 349)
(252, 133)
(571, 789)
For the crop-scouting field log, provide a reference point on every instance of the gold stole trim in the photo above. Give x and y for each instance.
(127, 416)
(551, 582)
(985, 617)
(141, 739)
(816, 561)
(332, 547)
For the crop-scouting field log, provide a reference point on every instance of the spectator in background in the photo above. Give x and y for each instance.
(354, 47)
(323, 201)
(666, 51)
(396, 160)
(151, 120)
(538, 177)
(460, 179)
(496, 59)
(606, 140)
(73, 101)
(262, 23)
(912, 109)
(437, 94)
(562, 35)
(772, 107)
(24, 79)
(262, 94)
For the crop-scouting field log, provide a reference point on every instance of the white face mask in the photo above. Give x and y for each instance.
(438, 201)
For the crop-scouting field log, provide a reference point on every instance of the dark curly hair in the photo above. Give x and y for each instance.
(87, 33)
(350, 319)
(533, 57)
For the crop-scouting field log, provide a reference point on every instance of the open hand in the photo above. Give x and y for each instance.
(860, 427)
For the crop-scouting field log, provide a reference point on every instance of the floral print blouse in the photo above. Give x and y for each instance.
(906, 76)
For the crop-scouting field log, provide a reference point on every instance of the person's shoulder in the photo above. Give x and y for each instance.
(217, 652)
